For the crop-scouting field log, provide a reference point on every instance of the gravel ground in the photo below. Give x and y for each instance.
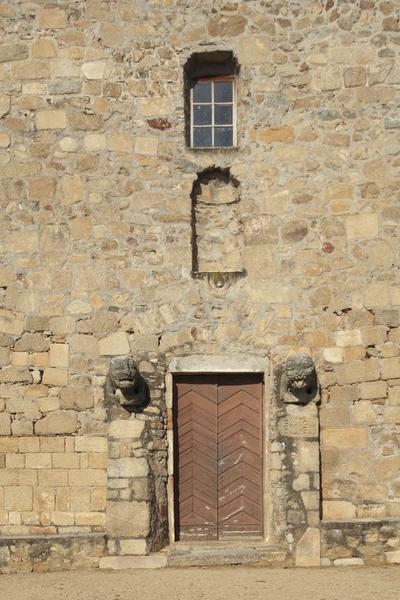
(233, 583)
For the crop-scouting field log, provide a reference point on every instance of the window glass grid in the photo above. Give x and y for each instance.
(212, 124)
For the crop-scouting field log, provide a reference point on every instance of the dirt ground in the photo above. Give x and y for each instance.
(233, 583)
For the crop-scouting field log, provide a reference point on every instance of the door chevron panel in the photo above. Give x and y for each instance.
(239, 458)
(196, 449)
(218, 456)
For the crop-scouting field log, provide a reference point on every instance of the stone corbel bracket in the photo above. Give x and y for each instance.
(299, 382)
(125, 390)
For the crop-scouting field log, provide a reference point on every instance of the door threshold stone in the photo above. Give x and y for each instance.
(215, 554)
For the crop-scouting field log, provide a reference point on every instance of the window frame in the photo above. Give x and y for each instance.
(231, 78)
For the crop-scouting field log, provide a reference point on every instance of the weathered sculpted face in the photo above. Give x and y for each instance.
(123, 372)
(299, 369)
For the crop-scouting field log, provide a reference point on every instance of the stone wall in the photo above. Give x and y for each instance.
(360, 418)
(97, 231)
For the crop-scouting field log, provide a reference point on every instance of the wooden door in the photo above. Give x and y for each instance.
(218, 456)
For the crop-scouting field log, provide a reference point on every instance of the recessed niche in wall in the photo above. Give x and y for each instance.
(217, 239)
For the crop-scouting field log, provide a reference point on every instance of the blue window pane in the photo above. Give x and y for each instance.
(223, 136)
(223, 114)
(202, 137)
(202, 114)
(202, 92)
(223, 91)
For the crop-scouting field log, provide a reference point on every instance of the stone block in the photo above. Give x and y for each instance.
(18, 498)
(94, 142)
(66, 460)
(355, 76)
(331, 79)
(390, 368)
(363, 413)
(53, 478)
(120, 142)
(254, 49)
(30, 69)
(15, 375)
(94, 519)
(128, 467)
(59, 355)
(86, 478)
(5, 104)
(76, 397)
(333, 355)
(128, 519)
(154, 107)
(310, 500)
(358, 371)
(91, 443)
(55, 376)
(393, 557)
(82, 121)
(65, 86)
(373, 389)
(146, 145)
(338, 509)
(307, 456)
(308, 549)
(226, 25)
(391, 415)
(5, 139)
(22, 427)
(371, 336)
(52, 18)
(73, 189)
(375, 94)
(11, 322)
(356, 54)
(362, 226)
(42, 188)
(394, 396)
(57, 422)
(68, 144)
(114, 344)
(275, 134)
(376, 295)
(51, 119)
(111, 36)
(349, 337)
(24, 241)
(133, 546)
(81, 229)
(155, 561)
(343, 439)
(32, 342)
(348, 562)
(43, 48)
(12, 52)
(128, 429)
(94, 69)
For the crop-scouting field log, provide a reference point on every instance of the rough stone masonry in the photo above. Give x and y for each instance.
(97, 209)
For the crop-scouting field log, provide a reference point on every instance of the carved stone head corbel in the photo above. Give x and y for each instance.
(299, 384)
(125, 387)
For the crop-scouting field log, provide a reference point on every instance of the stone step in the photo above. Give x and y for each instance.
(116, 563)
(219, 554)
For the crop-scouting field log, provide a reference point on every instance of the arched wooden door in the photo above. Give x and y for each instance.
(218, 455)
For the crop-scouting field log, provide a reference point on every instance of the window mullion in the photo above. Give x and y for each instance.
(212, 114)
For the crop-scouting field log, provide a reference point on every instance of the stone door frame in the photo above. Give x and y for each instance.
(220, 364)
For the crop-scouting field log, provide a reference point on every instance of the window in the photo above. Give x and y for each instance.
(210, 86)
(213, 114)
